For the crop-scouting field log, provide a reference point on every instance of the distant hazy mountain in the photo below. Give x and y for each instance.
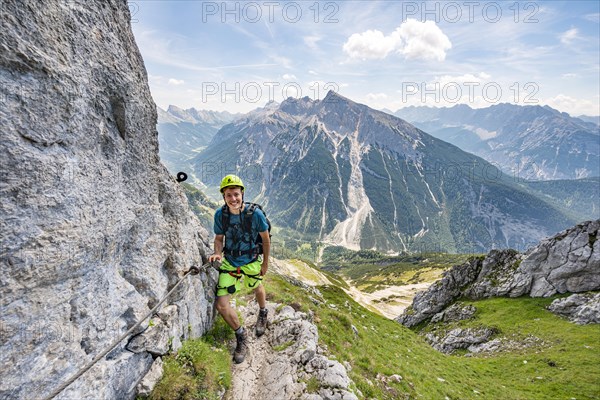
(587, 118)
(530, 142)
(341, 172)
(182, 133)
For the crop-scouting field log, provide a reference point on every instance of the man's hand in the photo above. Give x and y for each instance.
(263, 268)
(218, 256)
(215, 257)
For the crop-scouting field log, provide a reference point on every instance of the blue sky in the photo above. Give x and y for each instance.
(236, 56)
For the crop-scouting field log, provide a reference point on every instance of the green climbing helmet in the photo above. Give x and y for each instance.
(231, 180)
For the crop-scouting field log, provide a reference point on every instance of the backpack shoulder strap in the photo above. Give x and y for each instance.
(225, 216)
(248, 215)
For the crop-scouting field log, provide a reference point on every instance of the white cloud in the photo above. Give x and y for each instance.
(289, 77)
(370, 45)
(568, 36)
(423, 40)
(311, 41)
(573, 106)
(569, 75)
(176, 82)
(593, 17)
(413, 39)
(377, 96)
(312, 72)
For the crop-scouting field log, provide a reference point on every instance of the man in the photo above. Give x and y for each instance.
(236, 248)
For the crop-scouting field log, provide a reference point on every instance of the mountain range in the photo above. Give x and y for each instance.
(182, 133)
(339, 172)
(529, 142)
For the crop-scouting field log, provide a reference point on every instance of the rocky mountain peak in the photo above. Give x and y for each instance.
(298, 107)
(341, 172)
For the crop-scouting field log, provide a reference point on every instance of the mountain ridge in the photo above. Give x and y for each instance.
(343, 173)
(531, 142)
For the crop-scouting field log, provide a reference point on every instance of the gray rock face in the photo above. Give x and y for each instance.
(440, 294)
(94, 230)
(567, 262)
(579, 308)
(144, 388)
(456, 312)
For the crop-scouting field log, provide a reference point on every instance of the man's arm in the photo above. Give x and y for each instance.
(266, 240)
(218, 246)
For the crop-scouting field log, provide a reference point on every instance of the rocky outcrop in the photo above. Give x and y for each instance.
(282, 361)
(94, 230)
(456, 312)
(567, 262)
(144, 388)
(459, 338)
(579, 308)
(513, 344)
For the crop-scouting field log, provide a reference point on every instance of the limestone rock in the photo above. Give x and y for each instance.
(512, 344)
(456, 312)
(579, 308)
(145, 387)
(154, 340)
(567, 262)
(329, 373)
(285, 357)
(499, 276)
(94, 230)
(459, 338)
(441, 293)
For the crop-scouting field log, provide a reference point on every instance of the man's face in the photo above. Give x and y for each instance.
(233, 197)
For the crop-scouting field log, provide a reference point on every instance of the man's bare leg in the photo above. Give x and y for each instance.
(261, 296)
(227, 312)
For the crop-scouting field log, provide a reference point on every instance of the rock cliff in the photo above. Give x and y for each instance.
(566, 262)
(94, 230)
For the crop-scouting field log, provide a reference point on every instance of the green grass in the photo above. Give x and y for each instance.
(566, 365)
(200, 370)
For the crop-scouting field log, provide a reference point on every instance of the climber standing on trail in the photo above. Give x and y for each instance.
(237, 228)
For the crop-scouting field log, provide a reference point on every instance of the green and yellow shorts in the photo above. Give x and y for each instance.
(230, 281)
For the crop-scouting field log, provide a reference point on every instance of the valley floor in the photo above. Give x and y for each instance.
(389, 301)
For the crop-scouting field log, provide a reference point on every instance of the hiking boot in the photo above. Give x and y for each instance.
(261, 323)
(242, 347)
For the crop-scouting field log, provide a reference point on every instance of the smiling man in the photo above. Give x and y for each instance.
(237, 228)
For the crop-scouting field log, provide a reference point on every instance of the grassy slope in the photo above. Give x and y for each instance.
(385, 347)
(201, 369)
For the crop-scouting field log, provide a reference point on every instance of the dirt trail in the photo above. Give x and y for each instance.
(248, 376)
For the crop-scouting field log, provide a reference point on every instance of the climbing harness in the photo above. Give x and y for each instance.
(193, 270)
(238, 275)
